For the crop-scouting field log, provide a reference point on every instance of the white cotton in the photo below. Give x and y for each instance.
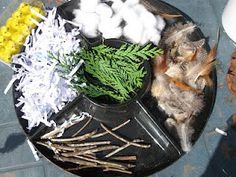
(139, 9)
(109, 27)
(155, 36)
(107, 24)
(109, 19)
(88, 21)
(103, 10)
(131, 2)
(160, 23)
(129, 15)
(112, 33)
(148, 19)
(89, 5)
(117, 5)
(134, 31)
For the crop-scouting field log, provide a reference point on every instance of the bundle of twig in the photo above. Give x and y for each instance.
(88, 152)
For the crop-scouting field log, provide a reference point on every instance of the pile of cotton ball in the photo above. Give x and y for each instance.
(129, 19)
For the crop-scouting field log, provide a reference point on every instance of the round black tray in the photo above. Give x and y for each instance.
(147, 121)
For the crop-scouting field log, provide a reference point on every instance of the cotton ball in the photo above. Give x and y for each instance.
(151, 34)
(160, 23)
(131, 2)
(148, 19)
(139, 9)
(103, 10)
(106, 23)
(117, 5)
(116, 20)
(109, 27)
(89, 22)
(129, 14)
(134, 31)
(89, 5)
(112, 33)
(144, 39)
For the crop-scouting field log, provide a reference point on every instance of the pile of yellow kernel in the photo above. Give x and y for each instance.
(16, 29)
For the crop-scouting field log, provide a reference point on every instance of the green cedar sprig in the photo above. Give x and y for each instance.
(116, 73)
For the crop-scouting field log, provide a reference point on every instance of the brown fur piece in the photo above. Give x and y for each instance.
(180, 77)
(231, 75)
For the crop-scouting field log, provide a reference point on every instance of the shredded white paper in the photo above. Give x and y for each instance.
(43, 90)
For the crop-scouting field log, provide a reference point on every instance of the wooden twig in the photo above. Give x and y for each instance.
(62, 147)
(78, 138)
(122, 139)
(118, 170)
(109, 164)
(170, 16)
(97, 149)
(58, 130)
(118, 150)
(122, 148)
(91, 156)
(44, 144)
(90, 144)
(82, 128)
(114, 129)
(124, 158)
(84, 167)
(76, 161)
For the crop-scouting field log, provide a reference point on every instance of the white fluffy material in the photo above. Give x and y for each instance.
(43, 90)
(89, 5)
(141, 26)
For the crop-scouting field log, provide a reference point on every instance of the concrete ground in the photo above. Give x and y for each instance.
(213, 155)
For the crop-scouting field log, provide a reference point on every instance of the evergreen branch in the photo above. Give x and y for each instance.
(116, 73)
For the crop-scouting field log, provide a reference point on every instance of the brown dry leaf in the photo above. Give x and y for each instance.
(231, 75)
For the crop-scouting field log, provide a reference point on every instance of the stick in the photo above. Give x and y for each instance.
(76, 161)
(78, 138)
(124, 140)
(125, 158)
(44, 144)
(85, 125)
(98, 149)
(122, 148)
(170, 16)
(114, 129)
(111, 164)
(117, 170)
(118, 150)
(90, 143)
(84, 167)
